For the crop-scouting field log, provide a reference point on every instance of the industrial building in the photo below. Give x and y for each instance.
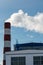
(23, 54)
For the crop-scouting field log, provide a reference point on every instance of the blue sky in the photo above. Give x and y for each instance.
(7, 8)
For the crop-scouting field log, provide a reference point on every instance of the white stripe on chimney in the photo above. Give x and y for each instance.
(7, 43)
(7, 31)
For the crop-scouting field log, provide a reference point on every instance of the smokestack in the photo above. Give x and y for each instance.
(7, 40)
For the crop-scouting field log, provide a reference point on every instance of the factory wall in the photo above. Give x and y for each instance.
(29, 54)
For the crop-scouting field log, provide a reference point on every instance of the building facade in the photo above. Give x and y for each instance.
(24, 57)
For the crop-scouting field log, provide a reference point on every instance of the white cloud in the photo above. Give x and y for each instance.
(22, 19)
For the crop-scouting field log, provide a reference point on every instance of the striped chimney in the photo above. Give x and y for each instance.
(7, 40)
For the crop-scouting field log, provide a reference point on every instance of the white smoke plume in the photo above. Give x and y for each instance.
(31, 23)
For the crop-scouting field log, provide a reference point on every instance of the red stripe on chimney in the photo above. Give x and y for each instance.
(4, 62)
(7, 37)
(7, 25)
(6, 49)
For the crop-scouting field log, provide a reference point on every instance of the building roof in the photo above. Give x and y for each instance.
(29, 44)
(24, 52)
(26, 46)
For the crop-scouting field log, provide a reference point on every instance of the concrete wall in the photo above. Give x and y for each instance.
(28, 55)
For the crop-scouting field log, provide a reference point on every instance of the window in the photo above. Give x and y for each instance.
(38, 60)
(18, 61)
